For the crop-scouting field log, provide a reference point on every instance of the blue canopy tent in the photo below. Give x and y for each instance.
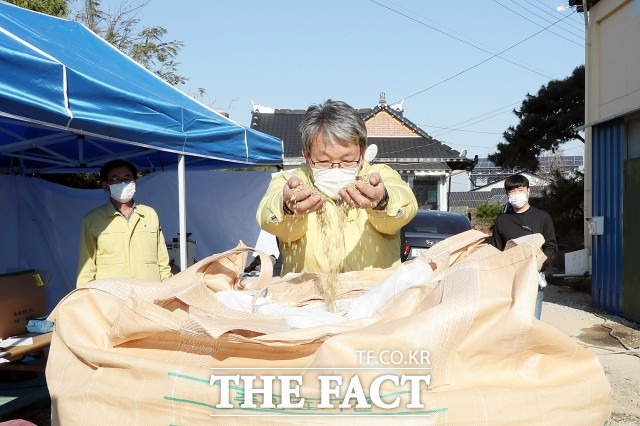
(69, 102)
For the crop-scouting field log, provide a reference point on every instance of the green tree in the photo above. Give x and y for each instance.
(487, 213)
(123, 29)
(50, 7)
(547, 119)
(563, 199)
(74, 180)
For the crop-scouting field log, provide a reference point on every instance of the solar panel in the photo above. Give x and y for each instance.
(498, 199)
(564, 161)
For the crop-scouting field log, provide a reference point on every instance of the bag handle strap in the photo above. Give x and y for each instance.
(213, 265)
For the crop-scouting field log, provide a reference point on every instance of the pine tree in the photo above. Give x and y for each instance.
(547, 119)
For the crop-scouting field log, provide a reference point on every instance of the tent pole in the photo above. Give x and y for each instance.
(182, 214)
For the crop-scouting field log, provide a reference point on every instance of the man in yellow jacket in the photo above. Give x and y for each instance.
(336, 213)
(121, 238)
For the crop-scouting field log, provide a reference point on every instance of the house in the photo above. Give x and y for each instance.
(486, 172)
(487, 181)
(612, 153)
(423, 162)
(493, 193)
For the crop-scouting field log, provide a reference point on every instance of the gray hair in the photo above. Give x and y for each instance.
(335, 120)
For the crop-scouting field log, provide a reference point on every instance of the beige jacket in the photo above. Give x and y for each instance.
(111, 246)
(369, 239)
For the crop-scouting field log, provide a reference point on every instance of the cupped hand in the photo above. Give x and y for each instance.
(300, 199)
(364, 195)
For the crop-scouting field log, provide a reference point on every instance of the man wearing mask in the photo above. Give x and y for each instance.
(520, 219)
(121, 238)
(337, 212)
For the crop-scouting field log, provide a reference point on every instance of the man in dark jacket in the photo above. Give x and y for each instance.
(522, 219)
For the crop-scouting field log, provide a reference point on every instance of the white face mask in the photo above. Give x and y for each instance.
(518, 200)
(330, 181)
(123, 192)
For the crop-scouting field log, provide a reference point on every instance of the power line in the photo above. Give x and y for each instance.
(410, 148)
(482, 62)
(470, 43)
(484, 115)
(460, 40)
(464, 145)
(460, 129)
(474, 120)
(524, 17)
(440, 133)
(574, 16)
(571, 31)
(578, 27)
(578, 19)
(452, 127)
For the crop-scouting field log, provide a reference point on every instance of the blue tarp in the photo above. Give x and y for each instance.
(69, 102)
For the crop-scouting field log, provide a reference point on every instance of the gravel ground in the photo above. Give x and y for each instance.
(614, 340)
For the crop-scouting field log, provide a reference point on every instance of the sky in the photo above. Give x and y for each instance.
(460, 68)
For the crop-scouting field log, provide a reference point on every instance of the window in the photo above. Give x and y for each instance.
(426, 191)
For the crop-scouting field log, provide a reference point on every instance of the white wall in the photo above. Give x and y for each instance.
(613, 59)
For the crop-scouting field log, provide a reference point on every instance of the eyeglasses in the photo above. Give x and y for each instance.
(117, 180)
(330, 164)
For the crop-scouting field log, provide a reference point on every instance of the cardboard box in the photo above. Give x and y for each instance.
(22, 297)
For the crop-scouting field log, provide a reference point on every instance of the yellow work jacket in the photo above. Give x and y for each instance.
(112, 247)
(370, 238)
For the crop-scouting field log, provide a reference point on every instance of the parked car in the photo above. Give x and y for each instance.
(428, 228)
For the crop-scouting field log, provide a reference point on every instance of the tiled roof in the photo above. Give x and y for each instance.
(467, 199)
(412, 148)
(471, 199)
(283, 124)
(408, 151)
(423, 166)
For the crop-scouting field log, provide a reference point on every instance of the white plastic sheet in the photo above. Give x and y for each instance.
(407, 275)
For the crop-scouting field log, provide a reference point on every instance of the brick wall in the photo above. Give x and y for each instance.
(383, 124)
